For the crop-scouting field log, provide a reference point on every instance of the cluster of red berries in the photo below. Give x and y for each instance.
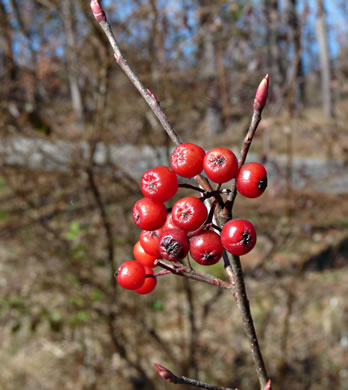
(171, 236)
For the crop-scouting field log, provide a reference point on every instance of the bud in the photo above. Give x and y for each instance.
(261, 94)
(98, 11)
(153, 96)
(268, 385)
(165, 373)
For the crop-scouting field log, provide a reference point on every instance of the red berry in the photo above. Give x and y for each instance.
(252, 180)
(149, 241)
(169, 224)
(149, 284)
(149, 214)
(189, 213)
(174, 244)
(238, 237)
(144, 258)
(187, 160)
(220, 165)
(131, 275)
(206, 248)
(159, 183)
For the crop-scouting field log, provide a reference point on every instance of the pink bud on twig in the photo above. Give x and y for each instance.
(165, 373)
(261, 94)
(153, 96)
(268, 385)
(98, 11)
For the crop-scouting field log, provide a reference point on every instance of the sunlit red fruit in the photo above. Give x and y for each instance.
(251, 181)
(174, 244)
(165, 236)
(220, 165)
(149, 283)
(238, 237)
(144, 258)
(149, 240)
(169, 224)
(149, 214)
(131, 275)
(159, 183)
(187, 160)
(189, 213)
(206, 248)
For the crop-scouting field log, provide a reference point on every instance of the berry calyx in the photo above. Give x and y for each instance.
(238, 237)
(174, 244)
(149, 214)
(159, 183)
(149, 284)
(144, 258)
(220, 165)
(206, 248)
(149, 240)
(131, 275)
(187, 160)
(251, 181)
(189, 213)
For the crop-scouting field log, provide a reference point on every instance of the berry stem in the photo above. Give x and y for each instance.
(192, 187)
(160, 273)
(195, 275)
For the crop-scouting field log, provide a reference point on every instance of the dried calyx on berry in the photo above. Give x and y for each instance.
(174, 244)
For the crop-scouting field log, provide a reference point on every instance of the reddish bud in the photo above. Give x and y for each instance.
(153, 96)
(98, 11)
(165, 373)
(261, 94)
(268, 385)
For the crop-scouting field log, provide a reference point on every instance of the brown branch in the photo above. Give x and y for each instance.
(105, 220)
(259, 103)
(195, 275)
(171, 377)
(235, 273)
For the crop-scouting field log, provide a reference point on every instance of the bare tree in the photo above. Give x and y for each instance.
(325, 65)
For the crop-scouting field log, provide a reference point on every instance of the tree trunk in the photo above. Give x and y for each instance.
(212, 118)
(325, 66)
(72, 61)
(9, 66)
(274, 55)
(294, 35)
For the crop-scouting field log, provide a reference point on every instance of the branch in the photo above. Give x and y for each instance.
(259, 103)
(234, 271)
(170, 377)
(195, 275)
(235, 274)
(148, 96)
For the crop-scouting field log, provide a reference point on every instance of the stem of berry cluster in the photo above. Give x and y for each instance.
(193, 274)
(224, 210)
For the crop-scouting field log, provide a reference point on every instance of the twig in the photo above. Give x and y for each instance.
(105, 220)
(171, 377)
(195, 275)
(235, 273)
(259, 103)
(148, 97)
(194, 332)
(190, 186)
